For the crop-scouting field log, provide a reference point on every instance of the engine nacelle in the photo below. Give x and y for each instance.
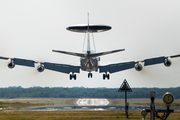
(98, 59)
(11, 65)
(40, 68)
(138, 67)
(167, 62)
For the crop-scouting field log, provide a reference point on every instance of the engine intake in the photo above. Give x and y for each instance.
(98, 59)
(138, 67)
(40, 68)
(11, 65)
(167, 62)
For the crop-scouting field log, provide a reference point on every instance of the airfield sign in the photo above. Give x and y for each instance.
(168, 98)
(125, 87)
(152, 94)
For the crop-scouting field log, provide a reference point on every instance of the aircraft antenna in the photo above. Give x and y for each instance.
(88, 39)
(84, 42)
(93, 42)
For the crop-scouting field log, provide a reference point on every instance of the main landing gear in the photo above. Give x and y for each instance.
(72, 76)
(106, 76)
(89, 75)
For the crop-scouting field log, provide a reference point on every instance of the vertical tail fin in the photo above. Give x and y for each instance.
(88, 38)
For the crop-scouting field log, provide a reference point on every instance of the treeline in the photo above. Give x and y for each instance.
(46, 92)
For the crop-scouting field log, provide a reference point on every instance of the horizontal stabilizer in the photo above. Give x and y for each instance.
(91, 55)
(70, 53)
(105, 53)
(23, 62)
(153, 61)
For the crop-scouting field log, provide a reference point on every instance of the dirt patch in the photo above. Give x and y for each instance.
(112, 102)
(72, 102)
(21, 104)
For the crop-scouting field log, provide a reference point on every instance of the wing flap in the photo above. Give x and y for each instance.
(75, 69)
(117, 67)
(23, 62)
(153, 61)
(61, 68)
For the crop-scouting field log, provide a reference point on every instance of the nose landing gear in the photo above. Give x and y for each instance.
(89, 75)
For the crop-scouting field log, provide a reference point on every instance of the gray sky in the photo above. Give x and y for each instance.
(30, 29)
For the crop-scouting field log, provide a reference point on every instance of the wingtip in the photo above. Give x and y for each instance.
(174, 56)
(121, 49)
(5, 58)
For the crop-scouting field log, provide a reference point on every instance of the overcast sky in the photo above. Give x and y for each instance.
(31, 29)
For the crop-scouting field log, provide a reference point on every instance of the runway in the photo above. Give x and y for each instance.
(92, 102)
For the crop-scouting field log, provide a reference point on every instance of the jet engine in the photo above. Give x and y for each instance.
(40, 68)
(167, 62)
(11, 65)
(138, 67)
(98, 58)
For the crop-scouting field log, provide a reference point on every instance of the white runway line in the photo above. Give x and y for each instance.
(92, 102)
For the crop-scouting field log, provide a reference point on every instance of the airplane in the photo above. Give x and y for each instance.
(89, 61)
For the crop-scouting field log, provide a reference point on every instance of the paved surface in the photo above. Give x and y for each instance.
(92, 102)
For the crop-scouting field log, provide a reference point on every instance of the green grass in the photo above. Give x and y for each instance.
(77, 115)
(60, 102)
(143, 102)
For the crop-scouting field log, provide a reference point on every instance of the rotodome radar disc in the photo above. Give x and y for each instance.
(83, 28)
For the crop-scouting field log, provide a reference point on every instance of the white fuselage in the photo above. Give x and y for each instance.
(89, 64)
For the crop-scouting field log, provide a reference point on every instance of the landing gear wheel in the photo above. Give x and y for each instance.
(74, 76)
(106, 76)
(71, 76)
(89, 75)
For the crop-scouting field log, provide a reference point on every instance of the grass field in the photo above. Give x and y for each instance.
(77, 115)
(60, 102)
(143, 102)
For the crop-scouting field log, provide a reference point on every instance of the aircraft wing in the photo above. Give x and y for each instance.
(63, 68)
(5, 58)
(112, 68)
